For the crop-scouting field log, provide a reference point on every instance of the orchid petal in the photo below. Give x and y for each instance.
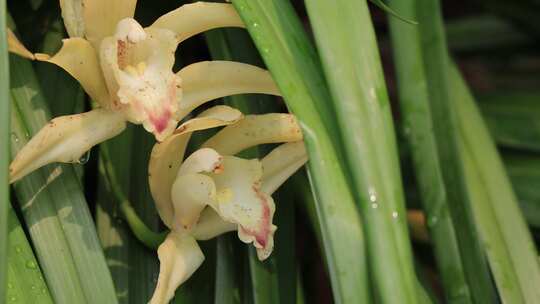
(179, 257)
(240, 200)
(281, 163)
(278, 166)
(192, 192)
(79, 59)
(167, 156)
(255, 130)
(72, 13)
(137, 64)
(16, 47)
(211, 225)
(102, 16)
(208, 80)
(192, 19)
(66, 139)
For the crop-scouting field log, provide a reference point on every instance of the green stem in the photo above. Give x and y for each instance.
(144, 234)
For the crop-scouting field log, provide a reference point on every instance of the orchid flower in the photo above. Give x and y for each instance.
(127, 70)
(212, 191)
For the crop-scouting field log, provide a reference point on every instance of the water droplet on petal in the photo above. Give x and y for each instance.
(255, 24)
(13, 299)
(374, 205)
(10, 286)
(18, 249)
(33, 287)
(84, 158)
(395, 215)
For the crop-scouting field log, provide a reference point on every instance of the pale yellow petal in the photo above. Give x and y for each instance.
(191, 192)
(281, 163)
(79, 59)
(255, 130)
(167, 156)
(66, 139)
(72, 13)
(179, 257)
(16, 47)
(240, 200)
(211, 225)
(102, 16)
(138, 64)
(208, 80)
(192, 19)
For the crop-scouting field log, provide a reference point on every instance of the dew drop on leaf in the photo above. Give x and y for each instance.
(14, 137)
(31, 265)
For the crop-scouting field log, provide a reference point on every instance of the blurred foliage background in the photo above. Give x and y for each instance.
(495, 46)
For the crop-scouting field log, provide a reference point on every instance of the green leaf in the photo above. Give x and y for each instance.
(53, 205)
(508, 244)
(350, 57)
(25, 282)
(446, 134)
(524, 172)
(5, 147)
(392, 12)
(513, 118)
(415, 105)
(287, 52)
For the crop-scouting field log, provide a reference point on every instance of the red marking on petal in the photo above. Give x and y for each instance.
(160, 122)
(121, 54)
(263, 233)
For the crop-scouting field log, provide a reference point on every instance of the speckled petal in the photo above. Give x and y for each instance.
(281, 163)
(66, 139)
(102, 16)
(255, 130)
(137, 65)
(192, 19)
(179, 257)
(72, 13)
(208, 80)
(79, 59)
(211, 225)
(240, 200)
(16, 47)
(168, 155)
(192, 192)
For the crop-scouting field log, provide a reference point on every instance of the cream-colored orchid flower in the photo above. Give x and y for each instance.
(212, 191)
(127, 70)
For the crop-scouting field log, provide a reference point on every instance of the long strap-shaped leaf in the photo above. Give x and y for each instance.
(507, 241)
(54, 208)
(4, 146)
(25, 283)
(415, 107)
(349, 52)
(286, 50)
(446, 134)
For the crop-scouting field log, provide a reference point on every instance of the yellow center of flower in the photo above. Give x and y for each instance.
(137, 64)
